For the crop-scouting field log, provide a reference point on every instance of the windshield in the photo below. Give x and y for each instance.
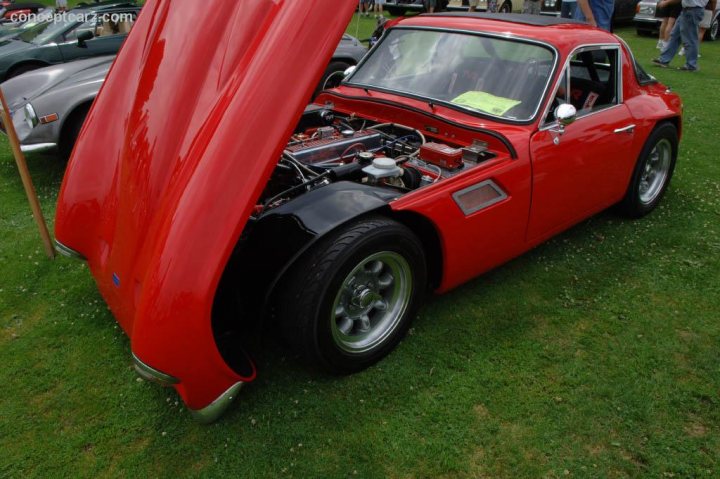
(45, 32)
(500, 77)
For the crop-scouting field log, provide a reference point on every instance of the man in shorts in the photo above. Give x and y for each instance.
(61, 5)
(379, 8)
(491, 5)
(668, 13)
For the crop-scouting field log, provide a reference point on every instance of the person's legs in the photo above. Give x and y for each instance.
(567, 9)
(661, 36)
(673, 43)
(689, 26)
(472, 5)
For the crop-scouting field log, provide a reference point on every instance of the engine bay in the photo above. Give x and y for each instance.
(328, 147)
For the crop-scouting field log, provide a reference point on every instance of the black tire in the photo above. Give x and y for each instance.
(332, 76)
(71, 130)
(395, 11)
(648, 185)
(711, 33)
(19, 70)
(506, 7)
(333, 282)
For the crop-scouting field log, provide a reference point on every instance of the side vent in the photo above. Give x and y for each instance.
(478, 197)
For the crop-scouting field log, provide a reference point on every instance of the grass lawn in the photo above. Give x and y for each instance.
(595, 355)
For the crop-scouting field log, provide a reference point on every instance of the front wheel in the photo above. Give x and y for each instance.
(653, 171)
(350, 300)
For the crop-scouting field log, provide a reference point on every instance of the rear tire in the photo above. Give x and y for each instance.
(506, 7)
(712, 33)
(332, 76)
(396, 11)
(350, 300)
(17, 71)
(653, 172)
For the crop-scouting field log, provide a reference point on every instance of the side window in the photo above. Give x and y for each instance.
(594, 79)
(590, 83)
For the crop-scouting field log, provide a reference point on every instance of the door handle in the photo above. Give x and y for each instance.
(626, 129)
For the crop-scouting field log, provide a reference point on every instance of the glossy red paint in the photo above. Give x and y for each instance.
(157, 203)
(184, 124)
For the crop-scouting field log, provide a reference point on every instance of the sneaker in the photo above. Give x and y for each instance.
(660, 63)
(660, 45)
(682, 51)
(686, 68)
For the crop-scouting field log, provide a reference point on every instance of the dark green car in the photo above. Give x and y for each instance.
(81, 33)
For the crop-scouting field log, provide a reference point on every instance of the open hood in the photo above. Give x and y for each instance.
(176, 150)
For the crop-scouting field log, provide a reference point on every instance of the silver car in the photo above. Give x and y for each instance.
(49, 105)
(647, 24)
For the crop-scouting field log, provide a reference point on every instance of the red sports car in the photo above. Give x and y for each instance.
(206, 197)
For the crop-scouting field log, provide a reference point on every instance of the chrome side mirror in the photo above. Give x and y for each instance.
(349, 71)
(565, 114)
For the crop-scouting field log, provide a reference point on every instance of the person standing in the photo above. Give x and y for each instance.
(531, 7)
(597, 13)
(685, 33)
(491, 6)
(379, 8)
(567, 8)
(61, 5)
(668, 14)
(430, 5)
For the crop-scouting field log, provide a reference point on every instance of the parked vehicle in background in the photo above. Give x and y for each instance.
(401, 7)
(647, 24)
(9, 11)
(10, 30)
(68, 39)
(624, 9)
(459, 142)
(49, 105)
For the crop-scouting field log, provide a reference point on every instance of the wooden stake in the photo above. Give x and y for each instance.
(26, 179)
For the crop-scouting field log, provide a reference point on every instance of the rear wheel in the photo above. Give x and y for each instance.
(506, 7)
(712, 32)
(19, 70)
(395, 11)
(652, 173)
(351, 299)
(332, 77)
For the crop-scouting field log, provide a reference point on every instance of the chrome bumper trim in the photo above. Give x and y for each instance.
(68, 252)
(216, 409)
(38, 147)
(153, 375)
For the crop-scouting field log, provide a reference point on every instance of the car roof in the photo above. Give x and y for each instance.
(562, 33)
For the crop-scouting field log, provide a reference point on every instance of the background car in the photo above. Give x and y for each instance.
(49, 105)
(67, 40)
(624, 9)
(401, 7)
(647, 24)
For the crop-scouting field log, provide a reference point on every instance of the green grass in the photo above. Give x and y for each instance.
(594, 356)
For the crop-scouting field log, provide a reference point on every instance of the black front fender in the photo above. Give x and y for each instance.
(272, 243)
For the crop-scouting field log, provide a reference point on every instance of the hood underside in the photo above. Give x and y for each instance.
(179, 145)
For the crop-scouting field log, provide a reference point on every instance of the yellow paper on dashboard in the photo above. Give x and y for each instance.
(479, 100)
